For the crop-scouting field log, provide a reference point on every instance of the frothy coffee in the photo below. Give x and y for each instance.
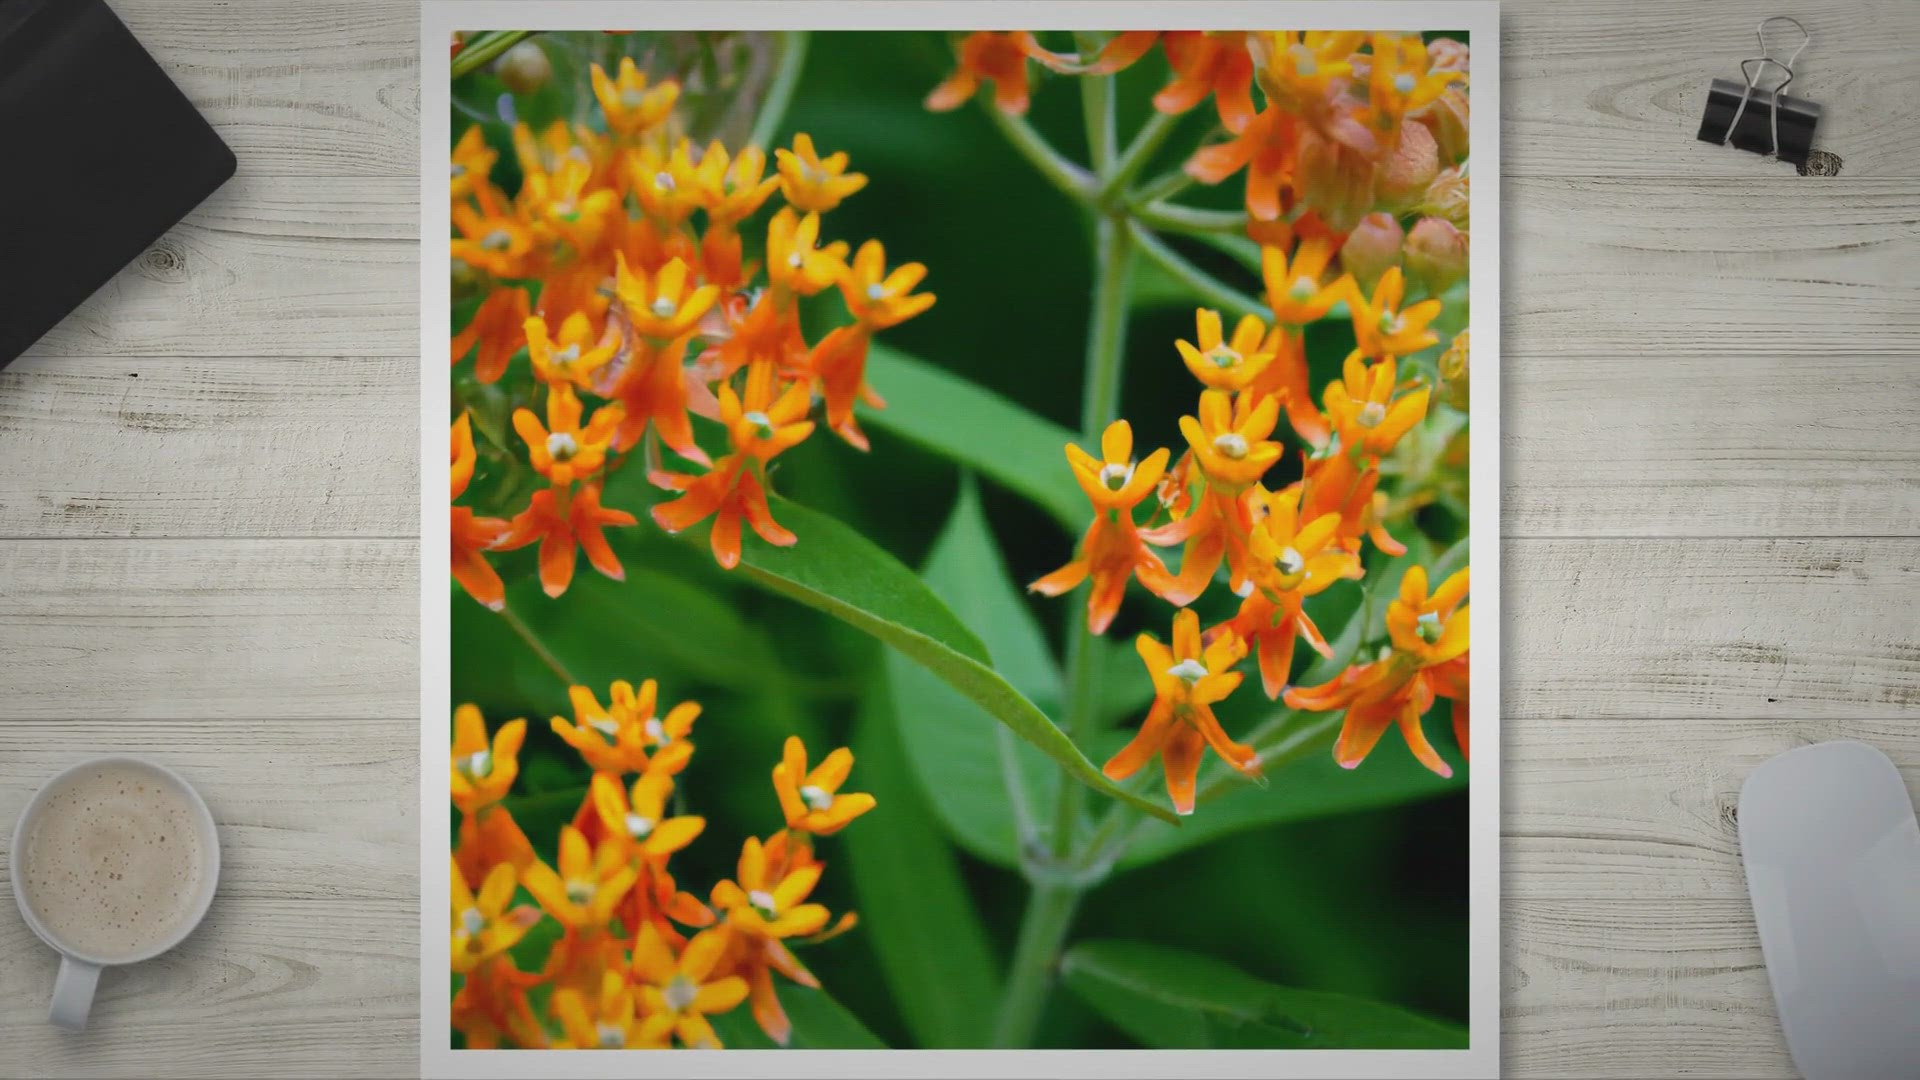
(112, 862)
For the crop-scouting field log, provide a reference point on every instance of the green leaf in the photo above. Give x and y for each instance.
(939, 411)
(936, 956)
(1450, 562)
(986, 787)
(819, 1023)
(836, 570)
(1173, 1000)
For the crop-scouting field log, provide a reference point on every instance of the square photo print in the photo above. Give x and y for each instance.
(960, 540)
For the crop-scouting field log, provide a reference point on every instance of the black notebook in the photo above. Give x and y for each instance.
(99, 155)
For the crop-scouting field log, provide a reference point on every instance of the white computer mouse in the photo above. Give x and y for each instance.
(1832, 852)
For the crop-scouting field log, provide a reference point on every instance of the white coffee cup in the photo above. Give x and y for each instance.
(79, 975)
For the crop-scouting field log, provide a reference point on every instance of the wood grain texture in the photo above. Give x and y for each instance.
(1710, 499)
(325, 446)
(307, 962)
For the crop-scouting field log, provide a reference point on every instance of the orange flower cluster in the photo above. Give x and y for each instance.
(621, 268)
(1330, 128)
(638, 963)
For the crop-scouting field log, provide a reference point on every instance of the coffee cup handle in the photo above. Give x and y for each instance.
(73, 993)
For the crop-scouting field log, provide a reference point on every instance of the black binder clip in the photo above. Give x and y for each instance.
(1768, 122)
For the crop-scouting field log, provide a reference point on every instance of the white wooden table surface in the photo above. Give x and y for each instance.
(1712, 516)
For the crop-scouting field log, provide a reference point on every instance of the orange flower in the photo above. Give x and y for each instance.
(1119, 52)
(1335, 483)
(573, 359)
(1400, 83)
(771, 902)
(473, 535)
(1264, 147)
(733, 190)
(1307, 74)
(659, 306)
(1295, 286)
(628, 737)
(483, 925)
(1187, 682)
(811, 183)
(630, 106)
(558, 519)
(759, 427)
(1209, 62)
(610, 1022)
(489, 837)
(811, 800)
(650, 384)
(1293, 560)
(877, 299)
(565, 207)
(472, 161)
(755, 955)
(1230, 438)
(1382, 329)
(794, 263)
(1286, 379)
(638, 819)
(492, 1006)
(1112, 551)
(491, 237)
(986, 54)
(569, 452)
(481, 774)
(1228, 364)
(498, 326)
(679, 994)
(1364, 413)
(589, 883)
(1427, 659)
(667, 184)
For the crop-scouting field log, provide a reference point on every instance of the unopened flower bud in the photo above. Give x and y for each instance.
(1436, 254)
(1372, 247)
(524, 68)
(1409, 168)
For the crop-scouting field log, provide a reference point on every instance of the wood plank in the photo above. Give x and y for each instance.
(1761, 445)
(1774, 629)
(203, 629)
(1617, 89)
(307, 962)
(268, 266)
(234, 447)
(1589, 90)
(1711, 268)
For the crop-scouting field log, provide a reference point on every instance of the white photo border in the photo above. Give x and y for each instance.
(1481, 20)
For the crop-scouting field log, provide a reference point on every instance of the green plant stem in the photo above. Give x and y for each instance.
(1049, 914)
(1151, 135)
(1165, 186)
(1107, 333)
(538, 648)
(1167, 217)
(1072, 180)
(1214, 291)
(793, 60)
(485, 48)
(1096, 101)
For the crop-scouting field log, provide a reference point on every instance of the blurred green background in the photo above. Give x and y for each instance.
(1371, 903)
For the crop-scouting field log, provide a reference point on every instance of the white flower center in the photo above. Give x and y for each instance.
(567, 355)
(1390, 322)
(817, 798)
(497, 240)
(562, 446)
(472, 922)
(477, 764)
(1428, 627)
(1304, 62)
(1232, 445)
(1114, 477)
(633, 97)
(762, 902)
(1403, 83)
(605, 726)
(796, 261)
(657, 731)
(1224, 356)
(639, 827)
(457, 171)
(1302, 289)
(1291, 562)
(663, 180)
(760, 420)
(611, 1037)
(1244, 589)
(680, 993)
(876, 291)
(1188, 671)
(1371, 414)
(580, 892)
(663, 307)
